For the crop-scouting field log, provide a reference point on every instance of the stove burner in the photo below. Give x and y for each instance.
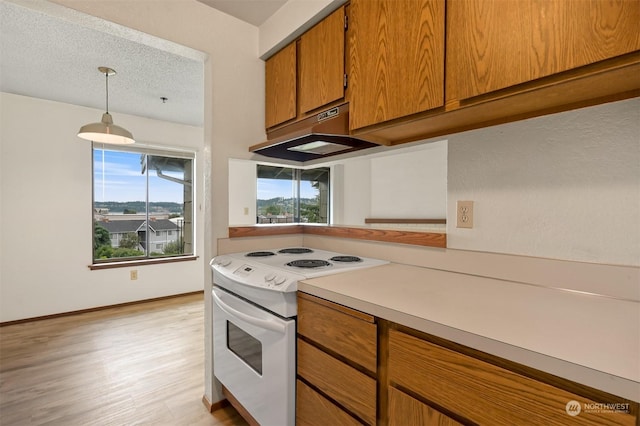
(295, 250)
(260, 254)
(308, 263)
(346, 259)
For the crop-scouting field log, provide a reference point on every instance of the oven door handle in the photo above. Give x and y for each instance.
(258, 322)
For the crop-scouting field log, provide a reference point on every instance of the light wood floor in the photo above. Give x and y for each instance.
(141, 364)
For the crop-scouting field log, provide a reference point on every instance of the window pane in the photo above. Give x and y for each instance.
(276, 194)
(314, 195)
(170, 204)
(288, 195)
(130, 187)
(119, 192)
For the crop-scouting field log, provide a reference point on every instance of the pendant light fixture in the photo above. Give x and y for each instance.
(105, 131)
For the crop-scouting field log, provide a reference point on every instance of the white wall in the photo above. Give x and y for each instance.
(352, 191)
(47, 225)
(290, 21)
(234, 101)
(564, 186)
(242, 197)
(410, 184)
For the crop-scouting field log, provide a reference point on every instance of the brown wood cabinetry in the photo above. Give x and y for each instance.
(396, 51)
(505, 61)
(495, 44)
(406, 377)
(337, 362)
(405, 410)
(321, 62)
(307, 74)
(280, 87)
(315, 410)
(483, 393)
(341, 330)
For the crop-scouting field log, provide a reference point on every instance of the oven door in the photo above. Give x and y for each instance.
(254, 358)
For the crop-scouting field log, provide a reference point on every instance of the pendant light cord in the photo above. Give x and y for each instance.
(106, 74)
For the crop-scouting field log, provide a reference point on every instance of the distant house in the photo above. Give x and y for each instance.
(162, 232)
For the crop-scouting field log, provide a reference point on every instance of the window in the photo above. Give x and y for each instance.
(290, 195)
(140, 194)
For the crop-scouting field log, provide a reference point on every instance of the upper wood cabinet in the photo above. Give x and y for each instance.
(396, 52)
(495, 44)
(307, 74)
(280, 86)
(321, 63)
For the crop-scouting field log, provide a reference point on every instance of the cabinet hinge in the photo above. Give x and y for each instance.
(346, 22)
(345, 80)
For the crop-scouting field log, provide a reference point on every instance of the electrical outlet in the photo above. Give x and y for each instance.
(464, 213)
(246, 211)
(133, 274)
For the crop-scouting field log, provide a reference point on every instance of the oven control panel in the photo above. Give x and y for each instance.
(256, 275)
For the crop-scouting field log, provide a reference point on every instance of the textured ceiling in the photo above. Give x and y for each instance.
(51, 52)
(254, 12)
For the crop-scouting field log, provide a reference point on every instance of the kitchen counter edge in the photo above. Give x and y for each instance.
(616, 385)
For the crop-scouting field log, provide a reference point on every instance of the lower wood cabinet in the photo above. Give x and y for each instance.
(405, 410)
(356, 369)
(315, 410)
(346, 385)
(337, 364)
(483, 393)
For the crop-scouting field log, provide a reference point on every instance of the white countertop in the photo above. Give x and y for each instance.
(589, 339)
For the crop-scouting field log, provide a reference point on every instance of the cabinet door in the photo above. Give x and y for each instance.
(494, 44)
(492, 395)
(405, 410)
(396, 59)
(321, 63)
(280, 86)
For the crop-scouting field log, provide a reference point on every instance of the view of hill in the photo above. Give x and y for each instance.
(139, 206)
(286, 204)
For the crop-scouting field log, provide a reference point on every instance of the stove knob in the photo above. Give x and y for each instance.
(270, 276)
(223, 261)
(279, 280)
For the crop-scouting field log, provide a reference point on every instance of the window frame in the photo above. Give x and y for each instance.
(147, 259)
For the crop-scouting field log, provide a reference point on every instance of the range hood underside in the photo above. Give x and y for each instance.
(296, 149)
(318, 136)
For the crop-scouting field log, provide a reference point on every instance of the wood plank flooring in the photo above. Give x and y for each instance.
(140, 364)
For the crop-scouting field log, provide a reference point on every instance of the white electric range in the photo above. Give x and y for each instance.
(254, 328)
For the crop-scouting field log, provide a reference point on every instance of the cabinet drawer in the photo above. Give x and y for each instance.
(483, 392)
(405, 410)
(345, 331)
(350, 388)
(312, 409)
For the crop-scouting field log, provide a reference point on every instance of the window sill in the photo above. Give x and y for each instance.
(129, 263)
